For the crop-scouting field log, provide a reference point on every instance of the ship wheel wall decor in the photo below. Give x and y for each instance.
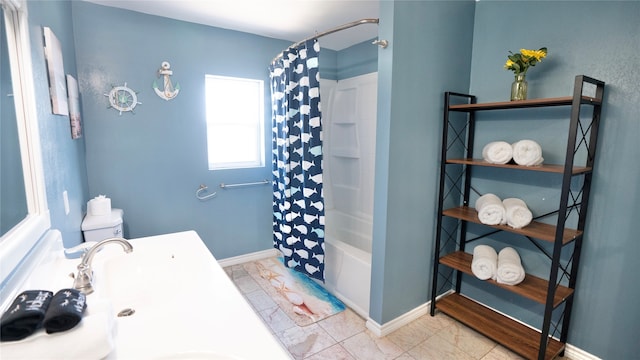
(122, 98)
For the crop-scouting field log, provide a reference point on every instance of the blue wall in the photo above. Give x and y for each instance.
(151, 163)
(601, 40)
(63, 158)
(430, 43)
(357, 60)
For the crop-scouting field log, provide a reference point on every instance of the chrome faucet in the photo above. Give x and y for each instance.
(83, 280)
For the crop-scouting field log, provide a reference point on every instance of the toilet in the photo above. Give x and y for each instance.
(97, 228)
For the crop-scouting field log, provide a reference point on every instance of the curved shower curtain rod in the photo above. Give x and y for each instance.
(330, 31)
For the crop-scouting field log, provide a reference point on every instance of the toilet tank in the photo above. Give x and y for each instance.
(97, 228)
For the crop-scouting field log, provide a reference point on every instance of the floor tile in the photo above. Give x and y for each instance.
(467, 340)
(405, 356)
(260, 300)
(277, 320)
(438, 322)
(343, 325)
(305, 341)
(335, 352)
(436, 348)
(501, 353)
(366, 346)
(413, 333)
(236, 271)
(246, 284)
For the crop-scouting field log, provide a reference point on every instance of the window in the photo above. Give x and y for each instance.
(235, 122)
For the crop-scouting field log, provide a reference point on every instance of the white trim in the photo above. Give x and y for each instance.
(395, 324)
(46, 246)
(236, 260)
(350, 304)
(575, 353)
(16, 243)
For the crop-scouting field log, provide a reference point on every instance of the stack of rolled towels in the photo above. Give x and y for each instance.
(512, 211)
(523, 152)
(504, 267)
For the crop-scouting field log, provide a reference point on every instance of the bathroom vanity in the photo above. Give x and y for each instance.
(168, 299)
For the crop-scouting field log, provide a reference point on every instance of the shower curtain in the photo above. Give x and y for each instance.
(298, 205)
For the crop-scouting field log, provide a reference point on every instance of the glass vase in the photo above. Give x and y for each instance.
(519, 88)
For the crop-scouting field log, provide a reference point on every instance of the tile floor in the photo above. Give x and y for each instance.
(344, 336)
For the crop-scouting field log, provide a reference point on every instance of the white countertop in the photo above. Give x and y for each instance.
(186, 307)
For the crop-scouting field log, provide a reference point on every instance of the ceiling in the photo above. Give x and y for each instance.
(267, 17)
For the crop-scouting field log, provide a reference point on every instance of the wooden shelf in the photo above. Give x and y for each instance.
(456, 178)
(513, 335)
(533, 288)
(550, 168)
(559, 101)
(536, 229)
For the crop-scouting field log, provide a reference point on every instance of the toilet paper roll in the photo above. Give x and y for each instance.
(99, 206)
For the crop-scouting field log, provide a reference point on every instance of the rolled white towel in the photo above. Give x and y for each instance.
(510, 270)
(517, 213)
(490, 210)
(485, 262)
(497, 152)
(527, 153)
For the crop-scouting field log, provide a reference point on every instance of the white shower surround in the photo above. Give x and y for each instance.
(349, 131)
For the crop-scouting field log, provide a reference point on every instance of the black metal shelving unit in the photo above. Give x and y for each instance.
(555, 292)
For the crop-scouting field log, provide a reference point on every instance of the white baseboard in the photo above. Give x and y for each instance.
(248, 257)
(395, 324)
(402, 320)
(574, 353)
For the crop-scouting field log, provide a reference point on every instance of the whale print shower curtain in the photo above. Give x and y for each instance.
(298, 205)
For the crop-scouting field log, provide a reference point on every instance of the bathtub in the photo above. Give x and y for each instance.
(348, 259)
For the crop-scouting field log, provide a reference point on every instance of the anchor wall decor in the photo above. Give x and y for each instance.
(168, 91)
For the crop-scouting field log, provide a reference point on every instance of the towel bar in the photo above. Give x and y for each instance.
(226, 186)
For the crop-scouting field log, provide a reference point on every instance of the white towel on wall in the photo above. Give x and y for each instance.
(497, 152)
(490, 209)
(527, 153)
(510, 270)
(517, 213)
(485, 262)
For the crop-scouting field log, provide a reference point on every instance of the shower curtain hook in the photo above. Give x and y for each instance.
(382, 43)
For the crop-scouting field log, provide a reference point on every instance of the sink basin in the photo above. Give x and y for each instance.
(178, 303)
(151, 277)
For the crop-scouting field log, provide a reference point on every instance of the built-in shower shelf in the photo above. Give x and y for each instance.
(344, 122)
(346, 153)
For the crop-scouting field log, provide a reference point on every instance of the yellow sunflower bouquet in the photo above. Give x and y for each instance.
(520, 62)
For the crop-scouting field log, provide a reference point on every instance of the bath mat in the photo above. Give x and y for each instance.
(301, 298)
